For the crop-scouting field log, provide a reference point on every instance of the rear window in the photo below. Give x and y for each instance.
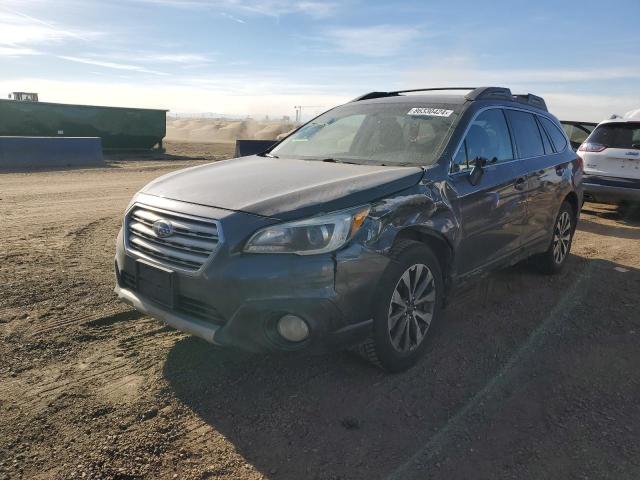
(526, 133)
(617, 135)
(557, 136)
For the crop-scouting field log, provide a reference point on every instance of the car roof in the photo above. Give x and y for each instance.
(620, 121)
(632, 116)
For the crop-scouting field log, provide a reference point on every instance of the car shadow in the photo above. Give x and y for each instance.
(626, 213)
(335, 416)
(617, 231)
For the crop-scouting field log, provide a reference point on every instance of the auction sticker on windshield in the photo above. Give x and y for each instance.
(433, 112)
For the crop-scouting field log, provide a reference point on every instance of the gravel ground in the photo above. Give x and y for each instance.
(527, 376)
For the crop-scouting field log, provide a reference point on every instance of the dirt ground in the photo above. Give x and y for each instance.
(527, 376)
(175, 150)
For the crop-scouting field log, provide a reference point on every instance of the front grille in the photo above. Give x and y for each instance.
(199, 309)
(192, 242)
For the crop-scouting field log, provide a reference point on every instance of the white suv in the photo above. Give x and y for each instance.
(611, 156)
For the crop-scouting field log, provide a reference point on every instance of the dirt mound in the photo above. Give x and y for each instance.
(206, 130)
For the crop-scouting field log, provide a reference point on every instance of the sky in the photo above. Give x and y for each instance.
(263, 57)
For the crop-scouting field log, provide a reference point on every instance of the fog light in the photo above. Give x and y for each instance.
(293, 328)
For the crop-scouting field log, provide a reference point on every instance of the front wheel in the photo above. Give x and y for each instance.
(408, 301)
(555, 257)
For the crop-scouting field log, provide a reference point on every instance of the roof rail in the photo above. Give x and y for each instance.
(434, 89)
(370, 95)
(488, 93)
(479, 93)
(531, 99)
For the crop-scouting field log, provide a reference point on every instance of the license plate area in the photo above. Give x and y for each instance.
(156, 283)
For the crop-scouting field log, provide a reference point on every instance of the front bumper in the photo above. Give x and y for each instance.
(610, 189)
(183, 323)
(241, 296)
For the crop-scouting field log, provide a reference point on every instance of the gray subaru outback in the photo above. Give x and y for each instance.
(354, 230)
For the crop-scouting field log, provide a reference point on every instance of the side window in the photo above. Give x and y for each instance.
(526, 134)
(557, 137)
(488, 137)
(548, 149)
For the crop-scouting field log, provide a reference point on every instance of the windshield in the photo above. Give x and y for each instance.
(381, 133)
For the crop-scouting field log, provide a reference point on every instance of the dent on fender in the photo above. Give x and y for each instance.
(420, 208)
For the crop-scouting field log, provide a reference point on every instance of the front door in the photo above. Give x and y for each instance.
(492, 212)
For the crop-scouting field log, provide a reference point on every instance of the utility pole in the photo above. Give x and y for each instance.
(299, 111)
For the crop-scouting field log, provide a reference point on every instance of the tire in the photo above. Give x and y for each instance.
(552, 261)
(400, 332)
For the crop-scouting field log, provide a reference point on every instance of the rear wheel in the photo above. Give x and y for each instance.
(408, 301)
(555, 257)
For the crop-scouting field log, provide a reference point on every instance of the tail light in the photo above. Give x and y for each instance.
(592, 147)
(580, 163)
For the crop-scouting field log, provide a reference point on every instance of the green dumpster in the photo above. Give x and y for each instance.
(119, 128)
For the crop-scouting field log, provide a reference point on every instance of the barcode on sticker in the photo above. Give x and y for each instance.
(433, 112)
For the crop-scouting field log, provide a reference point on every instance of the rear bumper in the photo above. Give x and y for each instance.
(610, 189)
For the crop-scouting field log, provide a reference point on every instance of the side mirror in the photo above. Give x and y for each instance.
(476, 173)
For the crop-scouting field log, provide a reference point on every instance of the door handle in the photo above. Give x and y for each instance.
(520, 184)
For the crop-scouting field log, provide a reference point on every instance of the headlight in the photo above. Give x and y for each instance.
(314, 235)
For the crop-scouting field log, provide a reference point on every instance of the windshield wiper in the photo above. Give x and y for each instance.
(335, 160)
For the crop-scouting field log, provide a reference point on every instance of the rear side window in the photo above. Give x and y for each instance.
(487, 137)
(557, 136)
(617, 135)
(545, 139)
(526, 133)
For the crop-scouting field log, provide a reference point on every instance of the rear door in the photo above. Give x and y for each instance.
(538, 161)
(613, 150)
(491, 212)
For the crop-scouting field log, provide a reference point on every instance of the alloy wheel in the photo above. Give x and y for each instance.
(561, 237)
(411, 308)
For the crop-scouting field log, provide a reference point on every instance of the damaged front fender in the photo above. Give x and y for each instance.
(422, 209)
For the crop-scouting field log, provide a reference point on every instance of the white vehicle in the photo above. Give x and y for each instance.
(611, 156)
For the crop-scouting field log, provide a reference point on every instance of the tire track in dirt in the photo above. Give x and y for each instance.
(89, 320)
(78, 246)
(112, 364)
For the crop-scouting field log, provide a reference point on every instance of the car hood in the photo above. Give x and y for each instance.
(282, 188)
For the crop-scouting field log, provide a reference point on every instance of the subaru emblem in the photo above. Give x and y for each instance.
(163, 228)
